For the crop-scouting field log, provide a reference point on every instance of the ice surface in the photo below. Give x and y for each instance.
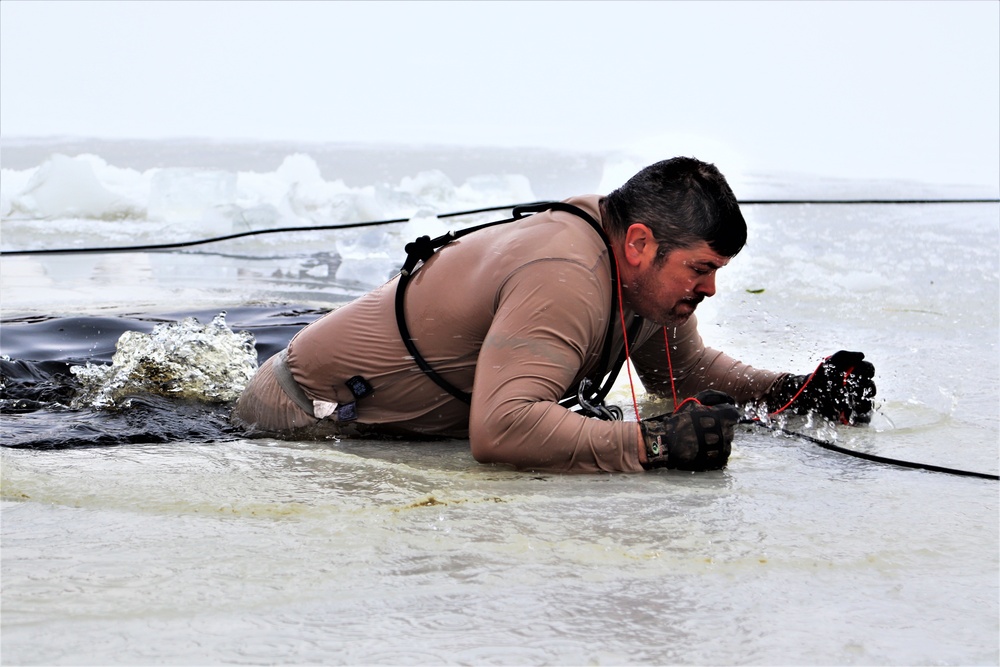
(257, 551)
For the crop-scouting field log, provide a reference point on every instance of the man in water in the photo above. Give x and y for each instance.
(494, 329)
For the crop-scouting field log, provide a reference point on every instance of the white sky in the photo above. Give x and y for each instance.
(907, 90)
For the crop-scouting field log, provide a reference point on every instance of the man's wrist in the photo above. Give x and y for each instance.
(643, 458)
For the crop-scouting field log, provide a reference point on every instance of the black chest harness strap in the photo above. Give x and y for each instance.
(590, 395)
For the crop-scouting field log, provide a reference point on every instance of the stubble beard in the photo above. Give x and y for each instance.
(669, 318)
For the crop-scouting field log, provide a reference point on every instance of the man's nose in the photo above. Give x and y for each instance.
(706, 286)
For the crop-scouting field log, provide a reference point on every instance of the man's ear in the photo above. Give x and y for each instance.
(640, 246)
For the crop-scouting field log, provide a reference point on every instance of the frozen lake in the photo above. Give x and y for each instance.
(349, 552)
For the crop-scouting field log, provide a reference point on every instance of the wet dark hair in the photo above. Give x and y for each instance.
(683, 201)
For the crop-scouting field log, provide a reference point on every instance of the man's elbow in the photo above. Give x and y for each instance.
(494, 436)
(485, 443)
(511, 433)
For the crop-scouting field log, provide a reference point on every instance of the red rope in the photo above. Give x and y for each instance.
(847, 375)
(628, 354)
(670, 367)
(792, 399)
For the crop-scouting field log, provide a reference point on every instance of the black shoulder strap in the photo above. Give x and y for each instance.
(423, 248)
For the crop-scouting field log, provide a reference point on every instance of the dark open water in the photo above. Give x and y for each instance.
(37, 386)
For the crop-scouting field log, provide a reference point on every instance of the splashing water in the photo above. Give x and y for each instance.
(187, 360)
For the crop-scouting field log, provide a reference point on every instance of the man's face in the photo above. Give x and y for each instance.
(668, 293)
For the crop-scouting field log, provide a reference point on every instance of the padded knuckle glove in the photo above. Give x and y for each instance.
(842, 388)
(697, 436)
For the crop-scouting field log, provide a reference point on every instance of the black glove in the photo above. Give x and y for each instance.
(696, 436)
(841, 389)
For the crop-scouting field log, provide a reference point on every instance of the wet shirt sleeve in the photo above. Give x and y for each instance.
(697, 367)
(548, 326)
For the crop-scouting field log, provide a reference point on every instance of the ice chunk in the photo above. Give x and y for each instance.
(65, 187)
(179, 195)
(431, 186)
(299, 168)
(494, 190)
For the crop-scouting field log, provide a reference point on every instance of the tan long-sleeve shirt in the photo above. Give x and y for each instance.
(515, 313)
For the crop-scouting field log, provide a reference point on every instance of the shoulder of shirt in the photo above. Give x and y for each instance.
(561, 234)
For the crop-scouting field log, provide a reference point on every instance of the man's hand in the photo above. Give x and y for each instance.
(841, 389)
(696, 436)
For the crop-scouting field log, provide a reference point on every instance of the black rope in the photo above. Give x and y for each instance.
(872, 457)
(374, 223)
(239, 235)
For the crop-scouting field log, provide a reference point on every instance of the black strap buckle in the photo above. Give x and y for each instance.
(598, 409)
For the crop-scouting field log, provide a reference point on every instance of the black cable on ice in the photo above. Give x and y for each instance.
(374, 223)
(872, 457)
